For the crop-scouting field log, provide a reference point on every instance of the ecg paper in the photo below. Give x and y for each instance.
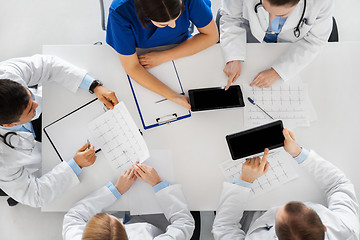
(280, 171)
(119, 138)
(288, 102)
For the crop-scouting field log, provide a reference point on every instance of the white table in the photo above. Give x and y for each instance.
(198, 143)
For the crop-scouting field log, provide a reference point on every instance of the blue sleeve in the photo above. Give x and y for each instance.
(240, 182)
(200, 12)
(86, 82)
(302, 156)
(119, 34)
(113, 189)
(74, 166)
(161, 185)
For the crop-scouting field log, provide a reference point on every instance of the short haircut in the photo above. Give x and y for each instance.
(302, 223)
(14, 99)
(157, 10)
(283, 2)
(103, 227)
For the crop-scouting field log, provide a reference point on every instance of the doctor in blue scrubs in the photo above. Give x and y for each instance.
(150, 23)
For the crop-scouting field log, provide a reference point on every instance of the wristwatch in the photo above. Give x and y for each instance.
(93, 85)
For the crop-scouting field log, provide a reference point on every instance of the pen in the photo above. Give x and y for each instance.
(88, 143)
(252, 101)
(98, 150)
(161, 100)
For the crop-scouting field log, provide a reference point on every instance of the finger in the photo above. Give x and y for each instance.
(256, 79)
(292, 135)
(83, 148)
(113, 99)
(137, 175)
(264, 158)
(287, 135)
(140, 168)
(230, 80)
(92, 159)
(267, 165)
(257, 161)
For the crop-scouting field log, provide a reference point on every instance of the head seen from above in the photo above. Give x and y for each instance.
(104, 226)
(279, 8)
(297, 221)
(16, 104)
(161, 13)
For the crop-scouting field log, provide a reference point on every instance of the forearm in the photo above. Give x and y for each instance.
(191, 46)
(339, 191)
(36, 192)
(172, 202)
(230, 211)
(147, 80)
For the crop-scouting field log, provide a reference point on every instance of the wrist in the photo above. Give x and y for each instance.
(296, 152)
(246, 179)
(156, 182)
(95, 84)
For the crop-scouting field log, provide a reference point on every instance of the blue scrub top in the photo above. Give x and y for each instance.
(125, 32)
(274, 29)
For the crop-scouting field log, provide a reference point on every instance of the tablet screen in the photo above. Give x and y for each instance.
(255, 140)
(215, 98)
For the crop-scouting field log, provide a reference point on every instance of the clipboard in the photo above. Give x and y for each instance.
(70, 132)
(153, 109)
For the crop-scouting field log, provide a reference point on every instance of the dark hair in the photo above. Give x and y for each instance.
(302, 223)
(157, 10)
(13, 101)
(283, 2)
(103, 227)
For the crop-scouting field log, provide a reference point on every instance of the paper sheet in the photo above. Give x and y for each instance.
(280, 171)
(153, 106)
(288, 102)
(119, 138)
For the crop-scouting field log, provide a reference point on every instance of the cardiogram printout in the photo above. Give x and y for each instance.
(119, 138)
(288, 102)
(280, 171)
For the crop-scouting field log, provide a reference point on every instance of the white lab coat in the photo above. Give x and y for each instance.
(170, 199)
(19, 169)
(238, 15)
(340, 216)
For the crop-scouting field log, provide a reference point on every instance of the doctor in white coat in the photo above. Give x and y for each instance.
(20, 104)
(306, 24)
(339, 219)
(85, 220)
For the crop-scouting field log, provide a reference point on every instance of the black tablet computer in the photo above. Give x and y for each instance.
(255, 140)
(215, 98)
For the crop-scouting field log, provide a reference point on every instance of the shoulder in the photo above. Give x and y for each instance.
(118, 5)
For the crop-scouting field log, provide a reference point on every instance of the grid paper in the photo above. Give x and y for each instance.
(119, 138)
(280, 171)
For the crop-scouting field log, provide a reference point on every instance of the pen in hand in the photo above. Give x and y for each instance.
(88, 143)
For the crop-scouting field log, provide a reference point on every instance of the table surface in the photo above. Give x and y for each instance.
(198, 143)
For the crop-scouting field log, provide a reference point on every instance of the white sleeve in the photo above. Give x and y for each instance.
(301, 53)
(339, 191)
(27, 189)
(77, 217)
(172, 202)
(230, 211)
(232, 33)
(38, 69)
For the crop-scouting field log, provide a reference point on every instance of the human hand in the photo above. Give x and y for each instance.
(85, 157)
(147, 174)
(232, 69)
(106, 96)
(153, 59)
(265, 78)
(290, 144)
(254, 167)
(181, 100)
(125, 181)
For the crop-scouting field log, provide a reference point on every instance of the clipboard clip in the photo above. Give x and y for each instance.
(167, 119)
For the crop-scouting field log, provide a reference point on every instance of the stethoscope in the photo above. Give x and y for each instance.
(7, 140)
(301, 21)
